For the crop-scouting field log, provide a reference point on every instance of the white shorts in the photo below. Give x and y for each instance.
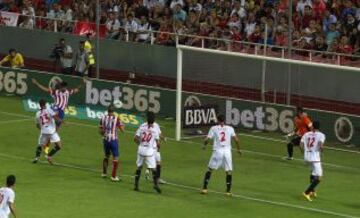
(157, 157)
(316, 168)
(149, 161)
(221, 158)
(45, 138)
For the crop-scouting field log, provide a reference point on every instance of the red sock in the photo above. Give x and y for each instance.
(115, 166)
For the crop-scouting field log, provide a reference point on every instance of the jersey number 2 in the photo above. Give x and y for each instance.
(44, 119)
(222, 138)
(146, 137)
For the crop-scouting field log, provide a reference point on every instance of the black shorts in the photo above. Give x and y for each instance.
(296, 140)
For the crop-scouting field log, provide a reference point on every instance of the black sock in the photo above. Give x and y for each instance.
(54, 150)
(290, 149)
(137, 177)
(38, 151)
(105, 165)
(158, 170)
(312, 178)
(155, 177)
(228, 182)
(312, 186)
(206, 179)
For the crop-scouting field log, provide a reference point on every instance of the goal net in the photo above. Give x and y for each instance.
(258, 93)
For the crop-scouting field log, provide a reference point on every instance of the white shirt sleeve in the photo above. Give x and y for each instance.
(51, 112)
(12, 197)
(138, 132)
(211, 133)
(232, 132)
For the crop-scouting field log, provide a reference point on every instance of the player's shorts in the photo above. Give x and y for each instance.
(221, 158)
(157, 157)
(60, 113)
(111, 147)
(45, 138)
(316, 168)
(148, 160)
(296, 140)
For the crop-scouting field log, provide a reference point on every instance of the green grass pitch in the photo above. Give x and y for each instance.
(264, 185)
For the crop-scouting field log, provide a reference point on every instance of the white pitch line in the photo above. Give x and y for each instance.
(14, 121)
(192, 142)
(240, 196)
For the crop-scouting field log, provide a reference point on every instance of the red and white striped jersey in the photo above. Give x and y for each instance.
(61, 99)
(110, 125)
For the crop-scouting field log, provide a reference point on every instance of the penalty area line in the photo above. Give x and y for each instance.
(239, 196)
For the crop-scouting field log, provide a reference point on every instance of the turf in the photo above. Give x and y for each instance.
(264, 184)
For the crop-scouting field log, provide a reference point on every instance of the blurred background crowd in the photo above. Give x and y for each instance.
(322, 25)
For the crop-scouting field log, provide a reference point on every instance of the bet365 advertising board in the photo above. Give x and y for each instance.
(199, 109)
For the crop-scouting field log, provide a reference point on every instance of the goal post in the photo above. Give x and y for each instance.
(298, 69)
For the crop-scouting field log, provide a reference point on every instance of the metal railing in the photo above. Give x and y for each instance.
(70, 27)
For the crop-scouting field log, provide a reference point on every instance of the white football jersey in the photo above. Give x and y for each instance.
(148, 135)
(221, 135)
(7, 196)
(312, 141)
(45, 118)
(157, 128)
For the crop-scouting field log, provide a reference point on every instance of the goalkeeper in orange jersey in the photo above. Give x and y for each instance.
(303, 124)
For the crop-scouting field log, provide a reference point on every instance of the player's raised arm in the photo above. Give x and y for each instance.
(77, 89)
(120, 125)
(43, 88)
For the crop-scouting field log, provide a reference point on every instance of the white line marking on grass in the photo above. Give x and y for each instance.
(240, 196)
(14, 121)
(192, 142)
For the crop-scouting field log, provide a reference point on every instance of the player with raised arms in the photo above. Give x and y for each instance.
(108, 128)
(7, 198)
(222, 136)
(312, 144)
(148, 138)
(303, 124)
(46, 120)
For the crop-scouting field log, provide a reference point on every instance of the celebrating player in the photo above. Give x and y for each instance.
(157, 156)
(45, 121)
(312, 143)
(303, 124)
(147, 137)
(108, 128)
(7, 198)
(221, 157)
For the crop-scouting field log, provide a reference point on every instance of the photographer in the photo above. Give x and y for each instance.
(63, 55)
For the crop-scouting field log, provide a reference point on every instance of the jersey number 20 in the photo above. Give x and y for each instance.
(146, 137)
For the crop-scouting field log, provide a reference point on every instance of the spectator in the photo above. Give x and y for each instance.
(329, 18)
(112, 27)
(66, 57)
(143, 31)
(14, 59)
(179, 13)
(81, 61)
(320, 45)
(28, 23)
(332, 34)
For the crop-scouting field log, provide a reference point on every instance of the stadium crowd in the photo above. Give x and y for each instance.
(323, 25)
